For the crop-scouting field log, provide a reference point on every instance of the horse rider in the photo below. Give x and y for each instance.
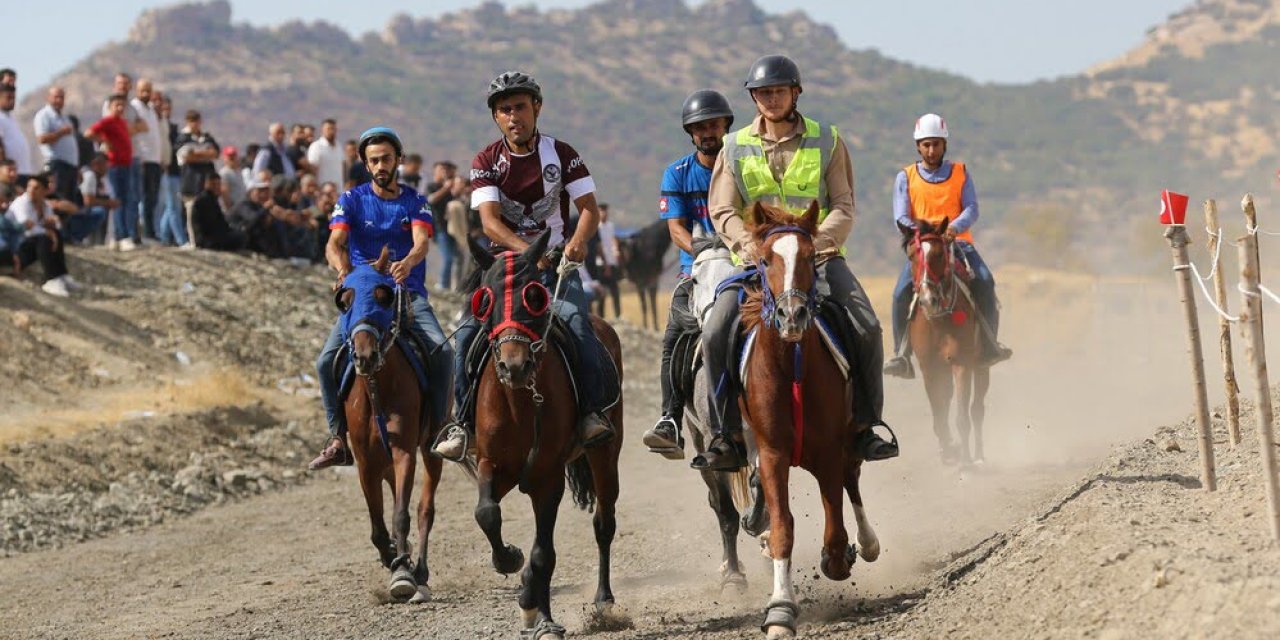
(706, 117)
(932, 190)
(767, 161)
(367, 218)
(522, 185)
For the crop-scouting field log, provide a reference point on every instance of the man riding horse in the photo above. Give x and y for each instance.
(523, 184)
(706, 117)
(788, 160)
(935, 190)
(368, 218)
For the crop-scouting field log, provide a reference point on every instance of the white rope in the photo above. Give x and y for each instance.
(1208, 296)
(1217, 251)
(1267, 291)
(1253, 231)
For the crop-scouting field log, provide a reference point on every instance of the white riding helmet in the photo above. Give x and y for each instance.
(931, 125)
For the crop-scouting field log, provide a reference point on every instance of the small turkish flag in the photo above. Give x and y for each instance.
(1173, 208)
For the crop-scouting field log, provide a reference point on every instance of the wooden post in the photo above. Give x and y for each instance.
(1224, 325)
(1177, 235)
(1255, 348)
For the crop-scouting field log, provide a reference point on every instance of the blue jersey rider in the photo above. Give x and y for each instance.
(935, 189)
(367, 218)
(706, 117)
(523, 185)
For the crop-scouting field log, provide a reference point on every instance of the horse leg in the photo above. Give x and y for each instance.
(938, 386)
(371, 485)
(868, 543)
(404, 467)
(837, 555)
(431, 469)
(535, 592)
(782, 610)
(653, 303)
(963, 376)
(978, 409)
(721, 500)
(604, 475)
(507, 558)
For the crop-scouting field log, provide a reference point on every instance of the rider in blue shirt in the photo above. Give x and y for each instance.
(367, 218)
(706, 117)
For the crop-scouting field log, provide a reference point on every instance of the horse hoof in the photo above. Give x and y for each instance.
(402, 585)
(870, 552)
(510, 561)
(422, 596)
(840, 572)
(735, 582)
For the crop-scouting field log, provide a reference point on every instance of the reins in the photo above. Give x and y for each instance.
(946, 283)
(385, 343)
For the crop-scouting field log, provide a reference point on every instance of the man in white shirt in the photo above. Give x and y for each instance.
(99, 197)
(609, 264)
(41, 239)
(325, 155)
(57, 139)
(146, 154)
(15, 142)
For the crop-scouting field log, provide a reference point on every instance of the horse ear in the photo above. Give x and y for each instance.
(479, 254)
(537, 248)
(942, 228)
(809, 221)
(755, 215)
(380, 265)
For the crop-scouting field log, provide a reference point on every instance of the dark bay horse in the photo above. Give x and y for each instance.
(527, 434)
(798, 404)
(385, 411)
(641, 259)
(947, 341)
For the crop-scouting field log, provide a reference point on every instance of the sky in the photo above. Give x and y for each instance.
(1006, 41)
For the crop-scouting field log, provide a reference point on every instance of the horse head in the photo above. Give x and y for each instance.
(930, 250)
(787, 265)
(367, 300)
(712, 264)
(513, 306)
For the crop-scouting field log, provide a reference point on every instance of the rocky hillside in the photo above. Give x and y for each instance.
(1188, 109)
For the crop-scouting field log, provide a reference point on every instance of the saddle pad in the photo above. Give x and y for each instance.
(829, 339)
(344, 364)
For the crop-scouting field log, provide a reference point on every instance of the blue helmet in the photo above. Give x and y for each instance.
(379, 134)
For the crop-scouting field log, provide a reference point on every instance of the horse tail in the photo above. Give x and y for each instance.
(581, 482)
(740, 487)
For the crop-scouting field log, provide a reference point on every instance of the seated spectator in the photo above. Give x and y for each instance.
(322, 213)
(233, 184)
(299, 230)
(9, 176)
(252, 218)
(209, 223)
(10, 232)
(274, 156)
(95, 189)
(246, 166)
(357, 173)
(77, 223)
(41, 240)
(308, 191)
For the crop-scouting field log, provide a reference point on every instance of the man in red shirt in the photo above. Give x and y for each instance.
(113, 132)
(523, 184)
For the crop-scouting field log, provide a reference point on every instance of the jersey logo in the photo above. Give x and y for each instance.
(368, 223)
(404, 223)
(551, 173)
(662, 204)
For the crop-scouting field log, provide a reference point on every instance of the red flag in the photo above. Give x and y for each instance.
(1173, 208)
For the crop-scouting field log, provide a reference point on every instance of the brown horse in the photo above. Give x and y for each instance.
(947, 341)
(799, 406)
(527, 433)
(384, 413)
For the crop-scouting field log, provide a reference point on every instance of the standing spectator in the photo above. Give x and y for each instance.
(15, 142)
(440, 192)
(84, 146)
(458, 225)
(411, 171)
(196, 152)
(146, 150)
(135, 126)
(308, 136)
(208, 222)
(41, 240)
(95, 190)
(357, 173)
(274, 157)
(233, 186)
(8, 76)
(172, 229)
(58, 142)
(113, 132)
(324, 154)
(297, 150)
(246, 163)
(610, 266)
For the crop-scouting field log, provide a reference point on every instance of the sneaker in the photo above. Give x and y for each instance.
(188, 246)
(126, 245)
(71, 283)
(595, 429)
(335, 454)
(452, 445)
(55, 287)
(664, 438)
(112, 245)
(899, 367)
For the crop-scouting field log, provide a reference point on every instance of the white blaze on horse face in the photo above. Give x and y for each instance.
(782, 591)
(788, 247)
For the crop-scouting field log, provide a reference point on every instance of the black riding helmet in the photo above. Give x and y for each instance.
(703, 105)
(377, 135)
(772, 71)
(513, 82)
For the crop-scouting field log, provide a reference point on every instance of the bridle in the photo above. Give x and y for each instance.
(945, 283)
(509, 329)
(385, 342)
(768, 301)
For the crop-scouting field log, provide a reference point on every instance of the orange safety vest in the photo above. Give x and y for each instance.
(934, 202)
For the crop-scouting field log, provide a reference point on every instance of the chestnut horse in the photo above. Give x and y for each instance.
(799, 406)
(527, 432)
(947, 341)
(385, 410)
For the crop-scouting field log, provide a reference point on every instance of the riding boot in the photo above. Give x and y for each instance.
(726, 451)
(335, 454)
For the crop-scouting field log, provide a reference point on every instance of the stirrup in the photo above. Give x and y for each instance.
(900, 367)
(658, 442)
(455, 426)
(872, 447)
(600, 438)
(725, 455)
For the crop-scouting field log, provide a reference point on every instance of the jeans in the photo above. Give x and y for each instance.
(172, 228)
(439, 366)
(125, 217)
(835, 282)
(85, 224)
(672, 398)
(597, 378)
(148, 183)
(40, 248)
(983, 288)
(448, 255)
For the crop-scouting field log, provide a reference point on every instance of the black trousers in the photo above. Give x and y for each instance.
(672, 398)
(151, 173)
(66, 179)
(41, 248)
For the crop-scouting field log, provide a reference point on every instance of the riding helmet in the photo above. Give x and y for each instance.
(703, 105)
(513, 82)
(378, 135)
(772, 71)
